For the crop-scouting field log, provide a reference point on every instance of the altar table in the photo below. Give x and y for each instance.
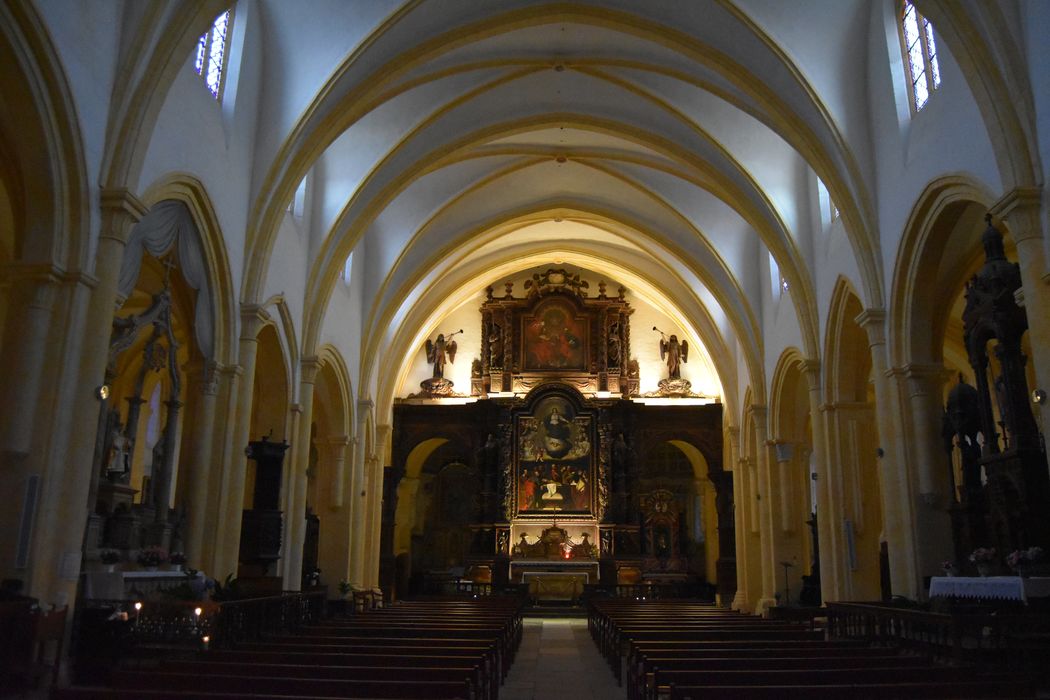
(990, 587)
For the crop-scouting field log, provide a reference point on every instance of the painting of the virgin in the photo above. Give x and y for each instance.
(554, 338)
(554, 459)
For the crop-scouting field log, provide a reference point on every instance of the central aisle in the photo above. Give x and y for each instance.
(558, 659)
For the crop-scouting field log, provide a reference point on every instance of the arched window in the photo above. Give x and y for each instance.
(347, 268)
(920, 55)
(210, 61)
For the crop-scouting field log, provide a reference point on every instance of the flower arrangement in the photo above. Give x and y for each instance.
(177, 558)
(983, 555)
(152, 556)
(1022, 557)
(949, 567)
(109, 556)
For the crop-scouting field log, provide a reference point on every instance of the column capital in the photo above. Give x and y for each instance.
(296, 408)
(210, 377)
(364, 407)
(309, 366)
(338, 440)
(253, 318)
(873, 321)
(733, 432)
(121, 209)
(758, 416)
(1019, 208)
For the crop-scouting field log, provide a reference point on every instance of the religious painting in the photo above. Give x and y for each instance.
(554, 338)
(554, 460)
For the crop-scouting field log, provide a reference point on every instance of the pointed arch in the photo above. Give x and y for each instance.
(938, 247)
(190, 191)
(39, 107)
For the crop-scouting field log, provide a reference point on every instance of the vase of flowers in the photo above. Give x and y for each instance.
(152, 557)
(1021, 560)
(983, 558)
(176, 560)
(109, 558)
(949, 568)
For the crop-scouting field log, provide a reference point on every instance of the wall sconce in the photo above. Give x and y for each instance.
(1038, 397)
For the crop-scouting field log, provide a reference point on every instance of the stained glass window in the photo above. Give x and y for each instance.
(920, 53)
(210, 59)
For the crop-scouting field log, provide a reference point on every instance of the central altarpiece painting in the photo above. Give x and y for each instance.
(558, 448)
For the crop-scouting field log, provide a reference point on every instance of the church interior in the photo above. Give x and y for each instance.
(373, 302)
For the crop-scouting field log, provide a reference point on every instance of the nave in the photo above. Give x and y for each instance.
(485, 649)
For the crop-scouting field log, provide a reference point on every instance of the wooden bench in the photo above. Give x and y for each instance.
(880, 691)
(250, 686)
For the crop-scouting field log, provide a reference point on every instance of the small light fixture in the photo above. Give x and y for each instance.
(102, 392)
(1038, 396)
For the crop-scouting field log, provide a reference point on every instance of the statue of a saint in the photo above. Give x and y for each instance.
(614, 344)
(495, 346)
(440, 349)
(119, 445)
(674, 353)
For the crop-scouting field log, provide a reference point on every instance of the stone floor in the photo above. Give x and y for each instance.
(558, 659)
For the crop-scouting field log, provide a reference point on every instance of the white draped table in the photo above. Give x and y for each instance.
(990, 587)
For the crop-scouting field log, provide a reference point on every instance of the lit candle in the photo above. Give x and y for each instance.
(138, 609)
(197, 612)
(204, 642)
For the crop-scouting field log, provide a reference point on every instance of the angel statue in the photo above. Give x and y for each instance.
(437, 350)
(674, 353)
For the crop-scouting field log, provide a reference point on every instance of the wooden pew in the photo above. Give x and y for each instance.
(253, 686)
(1012, 688)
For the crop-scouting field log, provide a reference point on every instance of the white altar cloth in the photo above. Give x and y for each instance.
(990, 587)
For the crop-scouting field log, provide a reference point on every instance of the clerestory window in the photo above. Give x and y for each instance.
(210, 61)
(920, 55)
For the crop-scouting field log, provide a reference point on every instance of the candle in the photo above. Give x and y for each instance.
(204, 642)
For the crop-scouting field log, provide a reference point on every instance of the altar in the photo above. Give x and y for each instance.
(554, 580)
(990, 587)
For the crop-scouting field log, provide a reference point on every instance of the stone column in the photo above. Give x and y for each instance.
(832, 572)
(200, 463)
(357, 504)
(54, 568)
(764, 502)
(785, 452)
(224, 452)
(295, 518)
(337, 454)
(924, 387)
(228, 528)
(898, 500)
(732, 456)
(1021, 210)
(34, 291)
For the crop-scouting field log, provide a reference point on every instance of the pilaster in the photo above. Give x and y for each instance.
(898, 502)
(1021, 210)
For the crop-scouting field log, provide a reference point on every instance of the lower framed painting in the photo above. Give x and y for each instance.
(555, 465)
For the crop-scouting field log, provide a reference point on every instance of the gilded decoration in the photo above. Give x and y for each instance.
(555, 332)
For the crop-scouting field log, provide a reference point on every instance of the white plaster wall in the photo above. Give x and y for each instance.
(288, 270)
(85, 36)
(342, 321)
(1036, 26)
(827, 49)
(947, 136)
(213, 140)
